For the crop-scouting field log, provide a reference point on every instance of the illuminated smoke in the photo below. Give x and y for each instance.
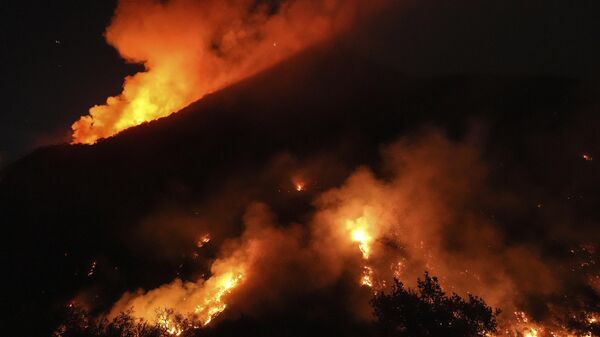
(241, 265)
(203, 300)
(423, 212)
(192, 48)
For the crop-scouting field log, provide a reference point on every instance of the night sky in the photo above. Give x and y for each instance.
(56, 63)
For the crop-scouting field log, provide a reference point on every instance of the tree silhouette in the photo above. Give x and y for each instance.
(429, 312)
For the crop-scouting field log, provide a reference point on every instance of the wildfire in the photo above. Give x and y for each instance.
(299, 183)
(213, 304)
(192, 48)
(359, 231)
(202, 300)
(203, 240)
(170, 327)
(367, 277)
(523, 326)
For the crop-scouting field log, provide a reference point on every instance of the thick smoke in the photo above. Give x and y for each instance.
(191, 48)
(426, 208)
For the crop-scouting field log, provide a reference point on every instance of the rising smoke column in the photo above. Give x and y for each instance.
(191, 48)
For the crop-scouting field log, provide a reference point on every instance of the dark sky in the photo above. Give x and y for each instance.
(56, 64)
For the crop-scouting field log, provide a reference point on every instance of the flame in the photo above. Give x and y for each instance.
(397, 225)
(170, 327)
(299, 183)
(204, 239)
(213, 304)
(367, 277)
(359, 231)
(202, 300)
(587, 157)
(192, 48)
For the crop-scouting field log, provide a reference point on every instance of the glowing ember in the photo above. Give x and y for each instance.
(92, 269)
(204, 239)
(203, 300)
(359, 233)
(299, 183)
(587, 157)
(398, 230)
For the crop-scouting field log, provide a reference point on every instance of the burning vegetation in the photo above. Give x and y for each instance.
(380, 231)
(417, 242)
(193, 48)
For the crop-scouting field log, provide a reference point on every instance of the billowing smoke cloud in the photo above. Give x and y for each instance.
(191, 48)
(423, 209)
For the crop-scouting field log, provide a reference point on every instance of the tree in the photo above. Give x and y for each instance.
(429, 312)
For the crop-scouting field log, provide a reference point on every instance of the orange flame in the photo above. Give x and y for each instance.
(213, 304)
(192, 48)
(203, 300)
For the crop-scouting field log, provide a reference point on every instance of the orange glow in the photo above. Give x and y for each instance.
(530, 332)
(204, 239)
(192, 48)
(359, 231)
(367, 277)
(299, 183)
(213, 304)
(204, 299)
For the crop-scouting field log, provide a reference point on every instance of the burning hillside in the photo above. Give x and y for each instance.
(424, 215)
(192, 48)
(299, 187)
